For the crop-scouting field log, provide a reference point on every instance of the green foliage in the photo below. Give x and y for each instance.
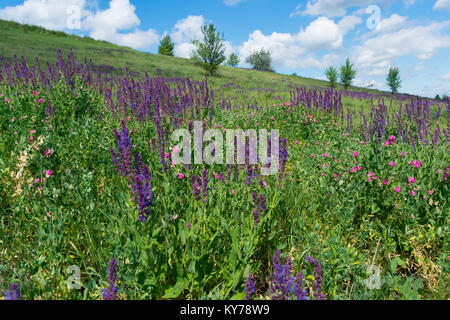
(210, 50)
(332, 75)
(166, 46)
(233, 60)
(260, 60)
(393, 79)
(347, 74)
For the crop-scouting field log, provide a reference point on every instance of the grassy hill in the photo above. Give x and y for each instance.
(31, 41)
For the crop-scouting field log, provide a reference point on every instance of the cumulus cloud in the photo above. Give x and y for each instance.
(184, 32)
(118, 23)
(50, 14)
(442, 4)
(381, 51)
(298, 50)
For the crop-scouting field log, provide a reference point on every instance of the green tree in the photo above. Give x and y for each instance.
(210, 51)
(166, 46)
(332, 75)
(260, 60)
(393, 79)
(233, 60)
(347, 74)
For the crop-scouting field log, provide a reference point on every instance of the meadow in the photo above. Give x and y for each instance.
(358, 210)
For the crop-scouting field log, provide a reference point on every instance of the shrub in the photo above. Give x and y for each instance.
(260, 60)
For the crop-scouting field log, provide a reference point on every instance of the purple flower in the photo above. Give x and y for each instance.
(14, 291)
(318, 295)
(249, 287)
(111, 292)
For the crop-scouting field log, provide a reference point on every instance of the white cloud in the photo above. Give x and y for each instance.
(105, 24)
(348, 23)
(119, 16)
(50, 14)
(442, 4)
(232, 2)
(333, 8)
(298, 50)
(184, 32)
(378, 53)
(445, 77)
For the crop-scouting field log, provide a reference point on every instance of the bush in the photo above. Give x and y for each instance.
(260, 60)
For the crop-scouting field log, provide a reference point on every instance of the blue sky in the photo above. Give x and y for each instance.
(303, 36)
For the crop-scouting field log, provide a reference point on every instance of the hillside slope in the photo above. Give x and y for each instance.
(31, 41)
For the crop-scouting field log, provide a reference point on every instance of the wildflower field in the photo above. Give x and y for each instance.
(359, 208)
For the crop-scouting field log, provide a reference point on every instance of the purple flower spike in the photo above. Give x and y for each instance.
(249, 287)
(14, 291)
(111, 292)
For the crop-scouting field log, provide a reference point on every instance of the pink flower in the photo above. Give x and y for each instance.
(176, 150)
(413, 193)
(181, 176)
(272, 118)
(233, 192)
(392, 139)
(47, 153)
(40, 100)
(326, 155)
(296, 142)
(355, 154)
(416, 163)
(386, 143)
(32, 131)
(401, 154)
(36, 181)
(219, 126)
(311, 155)
(411, 180)
(430, 192)
(166, 155)
(371, 174)
(397, 189)
(392, 163)
(438, 171)
(35, 93)
(48, 173)
(385, 182)
(31, 138)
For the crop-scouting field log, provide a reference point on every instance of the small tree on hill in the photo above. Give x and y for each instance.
(393, 79)
(166, 46)
(210, 51)
(260, 60)
(332, 75)
(233, 60)
(347, 74)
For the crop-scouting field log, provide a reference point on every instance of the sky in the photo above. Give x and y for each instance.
(304, 37)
